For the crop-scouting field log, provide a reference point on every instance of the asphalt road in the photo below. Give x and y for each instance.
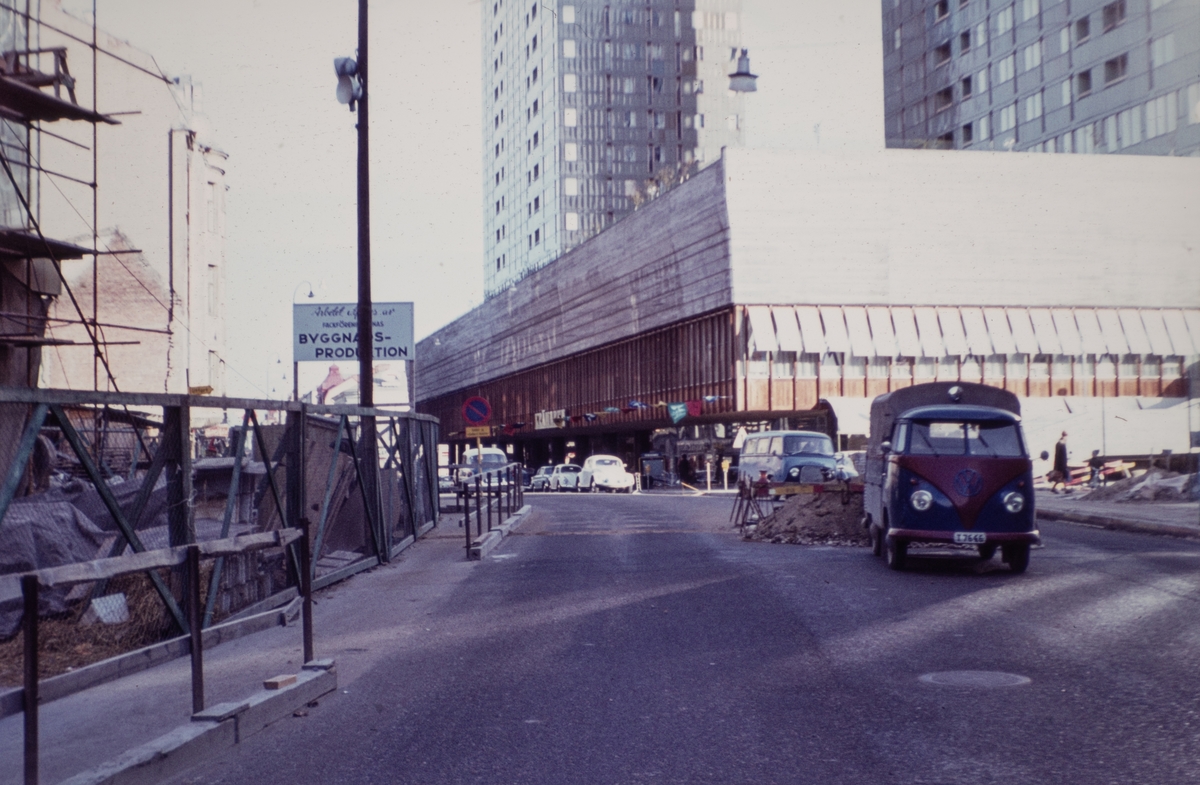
(636, 639)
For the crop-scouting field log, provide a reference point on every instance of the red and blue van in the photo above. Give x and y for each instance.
(947, 463)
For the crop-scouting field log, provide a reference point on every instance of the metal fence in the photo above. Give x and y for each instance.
(492, 495)
(91, 475)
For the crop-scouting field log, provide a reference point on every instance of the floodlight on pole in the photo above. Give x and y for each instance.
(349, 86)
(742, 81)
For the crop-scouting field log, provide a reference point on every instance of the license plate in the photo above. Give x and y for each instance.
(970, 538)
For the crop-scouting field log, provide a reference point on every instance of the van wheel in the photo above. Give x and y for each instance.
(987, 551)
(1017, 556)
(896, 552)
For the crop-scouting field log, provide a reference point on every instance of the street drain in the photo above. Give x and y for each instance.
(975, 679)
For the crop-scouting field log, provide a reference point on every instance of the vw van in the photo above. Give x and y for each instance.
(787, 456)
(947, 463)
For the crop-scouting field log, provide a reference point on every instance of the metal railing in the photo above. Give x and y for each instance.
(500, 491)
(349, 486)
(27, 588)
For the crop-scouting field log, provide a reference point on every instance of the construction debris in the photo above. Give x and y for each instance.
(1156, 485)
(814, 519)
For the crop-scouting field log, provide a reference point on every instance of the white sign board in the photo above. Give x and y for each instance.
(543, 420)
(329, 331)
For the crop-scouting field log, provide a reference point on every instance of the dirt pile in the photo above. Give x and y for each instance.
(814, 519)
(1156, 485)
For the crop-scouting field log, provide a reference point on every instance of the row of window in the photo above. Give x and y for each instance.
(1115, 69)
(1118, 131)
(787, 365)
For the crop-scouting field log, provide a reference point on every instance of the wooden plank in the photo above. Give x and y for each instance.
(103, 569)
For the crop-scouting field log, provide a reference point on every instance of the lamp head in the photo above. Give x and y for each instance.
(349, 85)
(742, 81)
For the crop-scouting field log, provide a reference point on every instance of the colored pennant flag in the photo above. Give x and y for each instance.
(694, 408)
(677, 411)
(589, 417)
(611, 410)
(637, 405)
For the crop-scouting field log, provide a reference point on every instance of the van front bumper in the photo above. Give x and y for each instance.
(930, 535)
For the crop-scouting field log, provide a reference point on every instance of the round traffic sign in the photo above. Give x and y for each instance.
(477, 411)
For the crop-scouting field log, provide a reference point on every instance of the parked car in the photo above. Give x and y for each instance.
(787, 456)
(490, 460)
(564, 476)
(445, 483)
(541, 479)
(605, 473)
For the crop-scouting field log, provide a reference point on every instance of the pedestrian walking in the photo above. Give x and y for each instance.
(1059, 473)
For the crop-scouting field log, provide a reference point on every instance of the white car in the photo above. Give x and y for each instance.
(605, 473)
(564, 476)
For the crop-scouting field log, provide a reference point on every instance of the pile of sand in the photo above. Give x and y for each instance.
(1156, 485)
(814, 519)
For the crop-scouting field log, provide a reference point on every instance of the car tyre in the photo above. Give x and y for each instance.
(896, 552)
(1016, 555)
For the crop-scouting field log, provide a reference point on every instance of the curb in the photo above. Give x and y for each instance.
(55, 687)
(1119, 524)
(210, 731)
(482, 546)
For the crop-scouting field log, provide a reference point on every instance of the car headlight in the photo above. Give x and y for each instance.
(921, 500)
(1014, 502)
(794, 474)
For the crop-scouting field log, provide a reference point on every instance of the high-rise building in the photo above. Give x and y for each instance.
(1066, 76)
(589, 108)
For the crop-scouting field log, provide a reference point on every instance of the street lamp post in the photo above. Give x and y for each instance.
(352, 89)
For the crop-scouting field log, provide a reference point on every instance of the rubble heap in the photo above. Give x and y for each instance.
(814, 519)
(1156, 485)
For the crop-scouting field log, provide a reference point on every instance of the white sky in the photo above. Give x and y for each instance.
(266, 67)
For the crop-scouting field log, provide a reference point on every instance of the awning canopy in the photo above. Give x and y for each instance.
(956, 331)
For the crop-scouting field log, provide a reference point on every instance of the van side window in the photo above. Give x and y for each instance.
(900, 437)
(776, 445)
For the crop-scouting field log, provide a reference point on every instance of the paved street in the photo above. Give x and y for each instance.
(636, 639)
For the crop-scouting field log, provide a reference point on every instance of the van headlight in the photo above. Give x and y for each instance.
(1014, 502)
(794, 473)
(921, 500)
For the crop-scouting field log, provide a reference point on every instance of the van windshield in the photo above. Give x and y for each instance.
(807, 445)
(489, 458)
(990, 439)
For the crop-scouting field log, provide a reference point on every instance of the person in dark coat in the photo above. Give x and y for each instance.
(1059, 474)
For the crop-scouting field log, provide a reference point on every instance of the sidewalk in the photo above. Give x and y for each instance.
(1180, 519)
(81, 733)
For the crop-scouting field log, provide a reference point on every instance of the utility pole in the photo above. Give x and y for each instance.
(369, 455)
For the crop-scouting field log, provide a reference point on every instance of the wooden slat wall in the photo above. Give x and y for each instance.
(666, 263)
(686, 361)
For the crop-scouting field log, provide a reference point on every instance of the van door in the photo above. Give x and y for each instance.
(774, 463)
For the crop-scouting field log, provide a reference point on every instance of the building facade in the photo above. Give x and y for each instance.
(156, 217)
(590, 108)
(1065, 76)
(772, 287)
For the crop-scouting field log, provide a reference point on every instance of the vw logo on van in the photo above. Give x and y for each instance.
(968, 482)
